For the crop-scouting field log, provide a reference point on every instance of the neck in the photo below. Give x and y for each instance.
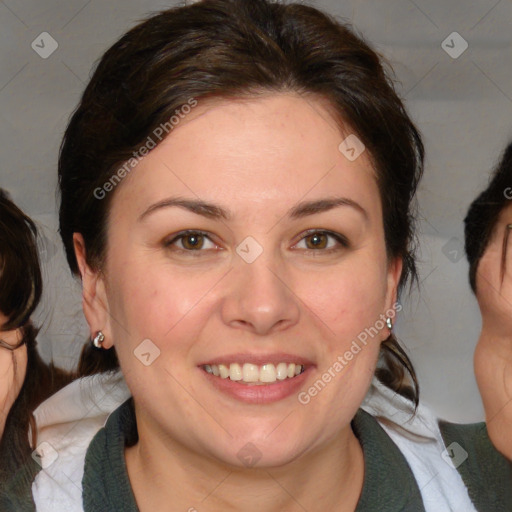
(164, 472)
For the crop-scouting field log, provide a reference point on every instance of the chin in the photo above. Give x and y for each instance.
(260, 452)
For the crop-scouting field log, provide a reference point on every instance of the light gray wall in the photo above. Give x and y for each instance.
(462, 105)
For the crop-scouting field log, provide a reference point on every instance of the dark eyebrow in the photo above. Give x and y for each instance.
(199, 207)
(212, 211)
(322, 205)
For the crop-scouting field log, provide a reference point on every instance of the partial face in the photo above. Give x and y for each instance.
(492, 284)
(244, 244)
(11, 380)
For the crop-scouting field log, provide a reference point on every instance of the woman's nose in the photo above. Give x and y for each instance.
(259, 298)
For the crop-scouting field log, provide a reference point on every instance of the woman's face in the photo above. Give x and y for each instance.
(13, 367)
(284, 263)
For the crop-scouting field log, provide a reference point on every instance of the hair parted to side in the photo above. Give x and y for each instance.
(484, 211)
(237, 48)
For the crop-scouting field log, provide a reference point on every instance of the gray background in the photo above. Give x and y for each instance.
(462, 105)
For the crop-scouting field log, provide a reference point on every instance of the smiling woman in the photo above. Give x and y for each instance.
(265, 238)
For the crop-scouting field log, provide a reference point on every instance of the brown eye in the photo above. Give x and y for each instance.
(193, 241)
(316, 241)
(322, 241)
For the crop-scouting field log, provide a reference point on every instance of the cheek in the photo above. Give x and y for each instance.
(348, 299)
(11, 382)
(6, 377)
(151, 301)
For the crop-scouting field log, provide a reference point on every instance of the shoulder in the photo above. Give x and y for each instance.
(66, 424)
(105, 481)
(448, 474)
(486, 473)
(15, 494)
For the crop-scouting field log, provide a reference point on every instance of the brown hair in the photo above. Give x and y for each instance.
(226, 49)
(20, 275)
(20, 293)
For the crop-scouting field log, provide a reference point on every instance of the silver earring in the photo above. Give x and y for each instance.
(389, 323)
(98, 340)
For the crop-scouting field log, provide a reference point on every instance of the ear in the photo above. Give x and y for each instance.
(94, 296)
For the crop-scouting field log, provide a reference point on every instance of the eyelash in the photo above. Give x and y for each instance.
(183, 235)
(341, 240)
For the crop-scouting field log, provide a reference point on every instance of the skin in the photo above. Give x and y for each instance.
(493, 354)
(10, 380)
(257, 158)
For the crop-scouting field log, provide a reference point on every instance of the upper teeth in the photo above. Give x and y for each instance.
(253, 373)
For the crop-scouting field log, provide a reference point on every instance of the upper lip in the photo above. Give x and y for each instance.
(259, 359)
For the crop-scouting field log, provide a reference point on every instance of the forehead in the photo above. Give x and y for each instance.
(506, 213)
(278, 147)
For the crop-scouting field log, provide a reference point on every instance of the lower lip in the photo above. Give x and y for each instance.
(259, 394)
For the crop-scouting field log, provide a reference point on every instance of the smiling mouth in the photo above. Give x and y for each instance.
(248, 373)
